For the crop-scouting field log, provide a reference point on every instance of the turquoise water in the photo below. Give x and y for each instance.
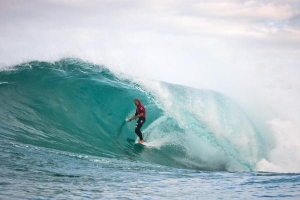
(63, 135)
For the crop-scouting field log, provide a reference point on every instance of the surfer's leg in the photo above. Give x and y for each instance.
(138, 132)
(138, 126)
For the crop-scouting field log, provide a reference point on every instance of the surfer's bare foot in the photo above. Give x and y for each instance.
(141, 141)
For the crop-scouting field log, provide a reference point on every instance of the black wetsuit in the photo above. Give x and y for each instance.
(140, 109)
(138, 126)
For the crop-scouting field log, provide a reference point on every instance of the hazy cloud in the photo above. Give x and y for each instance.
(211, 38)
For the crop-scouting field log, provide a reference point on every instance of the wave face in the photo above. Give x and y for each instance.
(74, 106)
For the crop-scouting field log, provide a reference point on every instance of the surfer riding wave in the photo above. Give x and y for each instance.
(141, 115)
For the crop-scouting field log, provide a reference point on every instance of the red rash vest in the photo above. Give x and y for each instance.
(141, 110)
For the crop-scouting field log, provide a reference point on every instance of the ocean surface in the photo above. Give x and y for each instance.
(63, 135)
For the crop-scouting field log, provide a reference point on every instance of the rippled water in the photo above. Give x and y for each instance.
(33, 172)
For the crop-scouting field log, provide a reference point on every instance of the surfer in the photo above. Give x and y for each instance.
(141, 114)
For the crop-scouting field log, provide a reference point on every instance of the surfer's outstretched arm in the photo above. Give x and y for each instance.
(135, 117)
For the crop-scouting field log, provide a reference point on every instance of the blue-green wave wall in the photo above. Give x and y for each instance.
(79, 107)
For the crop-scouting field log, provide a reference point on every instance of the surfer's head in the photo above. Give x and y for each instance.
(137, 102)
